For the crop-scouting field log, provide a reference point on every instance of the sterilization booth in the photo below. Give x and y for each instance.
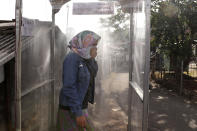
(121, 92)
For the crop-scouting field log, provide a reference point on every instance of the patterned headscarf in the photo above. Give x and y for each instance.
(83, 42)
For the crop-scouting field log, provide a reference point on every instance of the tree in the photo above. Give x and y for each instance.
(118, 25)
(174, 28)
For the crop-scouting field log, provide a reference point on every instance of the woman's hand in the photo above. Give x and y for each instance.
(81, 121)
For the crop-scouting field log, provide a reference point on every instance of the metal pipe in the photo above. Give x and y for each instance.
(52, 70)
(181, 82)
(146, 67)
(130, 70)
(67, 19)
(56, 5)
(18, 17)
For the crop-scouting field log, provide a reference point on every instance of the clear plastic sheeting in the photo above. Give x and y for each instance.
(36, 97)
(109, 113)
(122, 59)
(36, 101)
(139, 68)
(39, 89)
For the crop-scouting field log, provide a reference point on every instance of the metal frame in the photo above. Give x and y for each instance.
(52, 69)
(130, 70)
(146, 68)
(142, 94)
(18, 17)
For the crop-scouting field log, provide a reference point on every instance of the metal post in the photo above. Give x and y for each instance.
(67, 19)
(146, 67)
(18, 17)
(52, 70)
(130, 70)
(56, 5)
(181, 82)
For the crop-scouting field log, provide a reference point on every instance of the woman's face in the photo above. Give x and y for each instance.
(93, 52)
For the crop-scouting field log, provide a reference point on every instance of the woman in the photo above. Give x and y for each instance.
(79, 72)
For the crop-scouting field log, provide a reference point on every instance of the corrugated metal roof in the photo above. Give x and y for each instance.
(7, 41)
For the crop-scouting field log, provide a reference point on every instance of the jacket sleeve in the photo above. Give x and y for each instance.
(70, 72)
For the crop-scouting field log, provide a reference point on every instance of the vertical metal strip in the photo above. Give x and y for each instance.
(52, 70)
(18, 17)
(67, 19)
(181, 82)
(146, 67)
(130, 70)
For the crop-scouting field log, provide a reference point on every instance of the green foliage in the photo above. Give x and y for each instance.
(173, 28)
(118, 24)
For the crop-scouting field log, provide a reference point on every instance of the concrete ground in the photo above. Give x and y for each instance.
(167, 110)
(109, 111)
(170, 112)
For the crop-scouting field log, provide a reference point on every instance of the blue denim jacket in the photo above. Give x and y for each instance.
(76, 78)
